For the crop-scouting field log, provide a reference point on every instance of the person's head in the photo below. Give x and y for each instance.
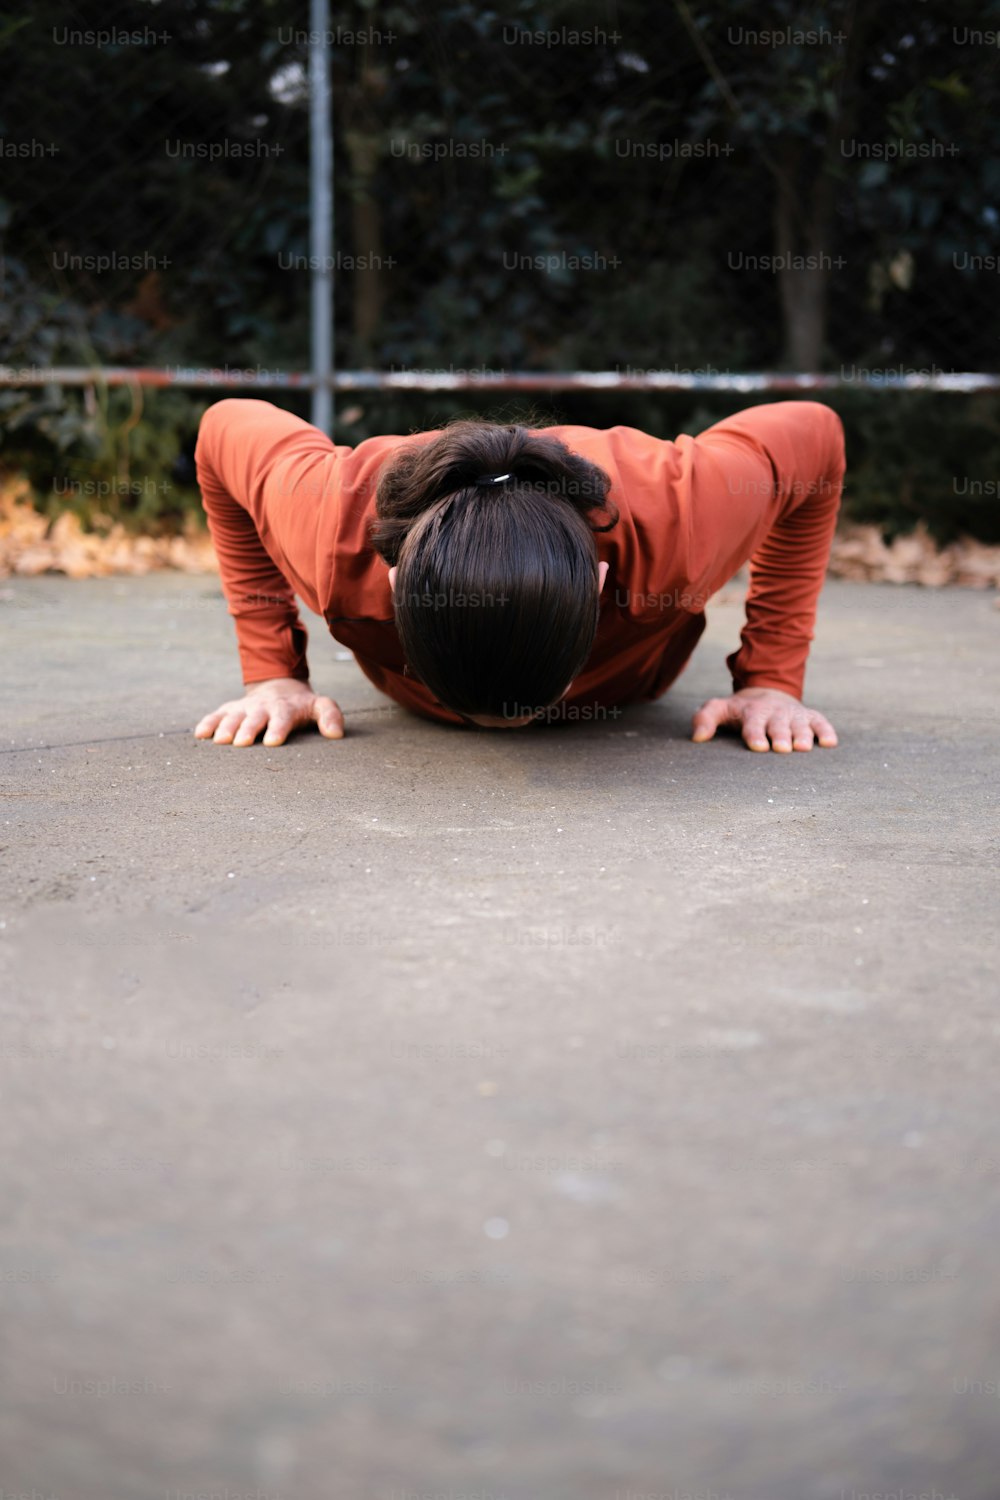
(495, 579)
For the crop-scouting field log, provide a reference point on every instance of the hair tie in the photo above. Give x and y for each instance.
(492, 478)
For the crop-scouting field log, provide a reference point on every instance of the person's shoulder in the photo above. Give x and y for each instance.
(639, 463)
(384, 443)
(621, 442)
(618, 434)
(359, 467)
(377, 450)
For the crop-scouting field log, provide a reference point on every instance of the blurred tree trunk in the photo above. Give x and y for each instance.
(362, 133)
(803, 224)
(804, 203)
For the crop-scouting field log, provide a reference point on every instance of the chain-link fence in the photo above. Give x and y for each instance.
(669, 197)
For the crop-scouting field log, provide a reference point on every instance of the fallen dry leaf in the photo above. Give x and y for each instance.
(31, 543)
(859, 552)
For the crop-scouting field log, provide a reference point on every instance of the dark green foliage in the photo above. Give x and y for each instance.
(205, 248)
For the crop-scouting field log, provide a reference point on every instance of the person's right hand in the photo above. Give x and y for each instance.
(278, 706)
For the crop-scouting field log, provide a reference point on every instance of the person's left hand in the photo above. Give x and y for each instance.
(763, 714)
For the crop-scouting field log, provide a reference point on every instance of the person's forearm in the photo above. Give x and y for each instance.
(270, 635)
(787, 572)
(786, 576)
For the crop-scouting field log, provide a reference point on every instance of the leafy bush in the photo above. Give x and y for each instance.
(423, 280)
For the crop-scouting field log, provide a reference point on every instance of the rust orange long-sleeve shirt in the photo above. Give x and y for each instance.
(289, 513)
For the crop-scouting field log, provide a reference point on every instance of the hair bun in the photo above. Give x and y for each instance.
(470, 457)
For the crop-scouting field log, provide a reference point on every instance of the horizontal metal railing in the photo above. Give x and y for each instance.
(225, 378)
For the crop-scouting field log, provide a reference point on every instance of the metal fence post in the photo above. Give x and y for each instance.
(321, 214)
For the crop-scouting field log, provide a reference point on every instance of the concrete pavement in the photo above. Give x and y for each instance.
(561, 1114)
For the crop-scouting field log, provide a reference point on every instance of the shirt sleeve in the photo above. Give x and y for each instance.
(778, 471)
(264, 476)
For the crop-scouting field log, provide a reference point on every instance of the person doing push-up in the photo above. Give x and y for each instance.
(493, 575)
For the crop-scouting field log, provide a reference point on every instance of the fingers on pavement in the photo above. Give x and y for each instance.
(207, 726)
(708, 718)
(252, 725)
(824, 730)
(329, 718)
(228, 726)
(279, 728)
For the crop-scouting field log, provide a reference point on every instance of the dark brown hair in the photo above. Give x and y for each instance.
(496, 597)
